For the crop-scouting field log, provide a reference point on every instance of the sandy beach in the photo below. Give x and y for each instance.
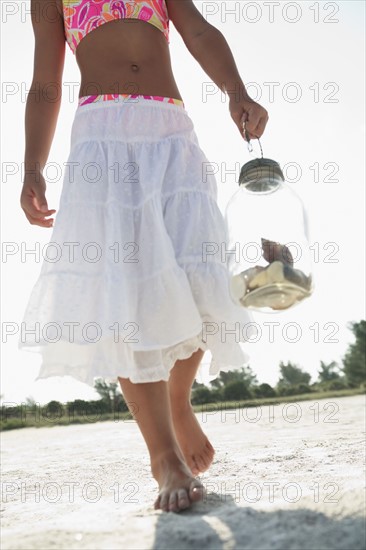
(288, 476)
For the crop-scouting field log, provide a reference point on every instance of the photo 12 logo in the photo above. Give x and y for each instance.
(270, 12)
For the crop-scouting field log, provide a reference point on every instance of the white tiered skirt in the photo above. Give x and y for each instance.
(134, 277)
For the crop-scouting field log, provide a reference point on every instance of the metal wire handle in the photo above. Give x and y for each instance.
(246, 134)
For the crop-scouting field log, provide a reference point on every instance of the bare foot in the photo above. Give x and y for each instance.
(177, 488)
(196, 448)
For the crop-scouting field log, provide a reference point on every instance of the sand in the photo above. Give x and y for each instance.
(284, 477)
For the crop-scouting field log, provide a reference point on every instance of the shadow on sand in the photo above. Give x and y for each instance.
(217, 523)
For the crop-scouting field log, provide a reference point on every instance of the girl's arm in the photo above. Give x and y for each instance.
(209, 47)
(42, 107)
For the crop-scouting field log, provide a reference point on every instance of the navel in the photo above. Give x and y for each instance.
(135, 67)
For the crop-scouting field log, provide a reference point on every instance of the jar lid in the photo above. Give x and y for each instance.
(261, 174)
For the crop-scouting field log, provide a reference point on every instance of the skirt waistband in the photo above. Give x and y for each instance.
(87, 100)
(131, 119)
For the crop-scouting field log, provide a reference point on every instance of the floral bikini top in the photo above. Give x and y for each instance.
(83, 16)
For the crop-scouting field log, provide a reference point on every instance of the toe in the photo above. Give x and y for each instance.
(183, 500)
(173, 505)
(196, 462)
(196, 491)
(201, 463)
(164, 501)
(195, 469)
(157, 503)
(209, 455)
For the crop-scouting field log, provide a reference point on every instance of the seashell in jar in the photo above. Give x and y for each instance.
(274, 273)
(250, 273)
(296, 277)
(239, 283)
(273, 251)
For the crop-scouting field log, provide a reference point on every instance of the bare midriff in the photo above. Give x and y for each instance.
(126, 57)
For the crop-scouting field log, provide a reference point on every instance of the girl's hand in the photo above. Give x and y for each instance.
(255, 116)
(33, 200)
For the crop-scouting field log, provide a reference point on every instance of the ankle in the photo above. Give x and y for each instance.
(180, 405)
(170, 457)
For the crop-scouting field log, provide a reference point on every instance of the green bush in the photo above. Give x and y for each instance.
(10, 412)
(53, 410)
(292, 375)
(202, 395)
(120, 404)
(264, 390)
(337, 385)
(354, 362)
(12, 423)
(236, 390)
(296, 389)
(217, 395)
(88, 409)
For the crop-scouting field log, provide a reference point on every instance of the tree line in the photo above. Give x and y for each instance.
(293, 380)
(234, 385)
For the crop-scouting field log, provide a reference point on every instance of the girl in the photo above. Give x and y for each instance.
(134, 290)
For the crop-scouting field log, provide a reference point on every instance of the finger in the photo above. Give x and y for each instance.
(33, 201)
(244, 117)
(261, 126)
(42, 207)
(244, 132)
(257, 120)
(244, 129)
(36, 221)
(251, 125)
(30, 209)
(40, 200)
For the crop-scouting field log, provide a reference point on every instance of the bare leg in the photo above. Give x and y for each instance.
(149, 404)
(195, 446)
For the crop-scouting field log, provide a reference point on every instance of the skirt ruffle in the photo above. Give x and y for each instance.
(133, 277)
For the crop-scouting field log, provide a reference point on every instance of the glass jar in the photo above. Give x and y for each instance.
(268, 252)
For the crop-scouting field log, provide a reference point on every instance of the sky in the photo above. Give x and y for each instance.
(302, 61)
